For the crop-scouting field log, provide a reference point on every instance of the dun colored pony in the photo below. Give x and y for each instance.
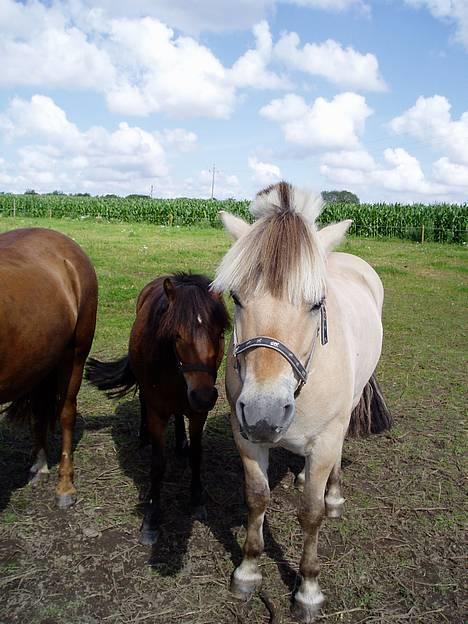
(307, 337)
(176, 347)
(47, 317)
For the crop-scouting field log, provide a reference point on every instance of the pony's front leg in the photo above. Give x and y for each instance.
(309, 598)
(196, 424)
(247, 577)
(150, 525)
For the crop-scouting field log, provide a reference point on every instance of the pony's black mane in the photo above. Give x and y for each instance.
(193, 300)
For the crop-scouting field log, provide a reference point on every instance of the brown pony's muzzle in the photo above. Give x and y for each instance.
(202, 399)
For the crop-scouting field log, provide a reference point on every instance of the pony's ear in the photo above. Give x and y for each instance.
(332, 235)
(169, 289)
(236, 226)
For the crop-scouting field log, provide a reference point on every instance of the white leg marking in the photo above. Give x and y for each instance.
(309, 594)
(40, 465)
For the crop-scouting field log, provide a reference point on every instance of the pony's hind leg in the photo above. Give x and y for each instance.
(247, 577)
(334, 501)
(39, 470)
(43, 404)
(71, 375)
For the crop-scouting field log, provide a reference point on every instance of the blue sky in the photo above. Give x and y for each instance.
(118, 96)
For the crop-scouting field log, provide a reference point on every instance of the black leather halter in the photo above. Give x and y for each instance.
(300, 370)
(195, 367)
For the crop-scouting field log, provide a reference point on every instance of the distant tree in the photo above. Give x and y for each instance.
(340, 197)
(80, 194)
(136, 196)
(110, 196)
(30, 192)
(57, 193)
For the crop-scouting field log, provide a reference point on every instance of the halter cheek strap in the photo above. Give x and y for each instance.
(300, 370)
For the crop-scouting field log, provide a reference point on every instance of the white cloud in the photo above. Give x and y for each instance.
(429, 120)
(353, 160)
(39, 117)
(62, 156)
(451, 174)
(250, 70)
(264, 173)
(403, 174)
(342, 66)
(162, 72)
(38, 47)
(449, 10)
(330, 125)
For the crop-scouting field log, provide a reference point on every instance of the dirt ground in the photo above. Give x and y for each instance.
(396, 556)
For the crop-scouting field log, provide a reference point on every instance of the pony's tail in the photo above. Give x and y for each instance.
(371, 414)
(115, 378)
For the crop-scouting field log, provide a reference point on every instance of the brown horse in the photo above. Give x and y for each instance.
(47, 317)
(176, 347)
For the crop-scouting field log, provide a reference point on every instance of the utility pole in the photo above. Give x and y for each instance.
(213, 180)
(151, 192)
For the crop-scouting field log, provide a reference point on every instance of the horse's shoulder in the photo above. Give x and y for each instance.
(353, 269)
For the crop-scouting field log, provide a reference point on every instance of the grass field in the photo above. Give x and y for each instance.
(396, 556)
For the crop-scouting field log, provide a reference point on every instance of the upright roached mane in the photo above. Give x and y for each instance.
(281, 254)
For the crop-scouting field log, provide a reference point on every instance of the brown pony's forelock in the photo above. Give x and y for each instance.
(192, 300)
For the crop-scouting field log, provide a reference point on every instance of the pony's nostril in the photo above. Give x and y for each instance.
(288, 410)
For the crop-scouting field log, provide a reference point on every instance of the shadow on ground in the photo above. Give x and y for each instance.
(16, 458)
(223, 489)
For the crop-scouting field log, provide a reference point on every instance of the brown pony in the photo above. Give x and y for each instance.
(176, 347)
(47, 317)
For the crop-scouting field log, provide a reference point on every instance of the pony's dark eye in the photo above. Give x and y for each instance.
(317, 306)
(235, 298)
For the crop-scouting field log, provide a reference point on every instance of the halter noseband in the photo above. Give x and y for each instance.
(195, 367)
(300, 370)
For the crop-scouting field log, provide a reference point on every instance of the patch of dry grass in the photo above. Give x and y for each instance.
(396, 556)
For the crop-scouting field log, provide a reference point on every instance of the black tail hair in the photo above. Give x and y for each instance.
(371, 414)
(114, 378)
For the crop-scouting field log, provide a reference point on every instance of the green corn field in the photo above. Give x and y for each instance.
(429, 222)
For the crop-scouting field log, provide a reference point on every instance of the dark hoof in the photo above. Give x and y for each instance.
(199, 513)
(305, 613)
(36, 478)
(64, 501)
(148, 537)
(244, 590)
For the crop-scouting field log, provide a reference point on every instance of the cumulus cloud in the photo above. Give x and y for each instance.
(449, 10)
(451, 174)
(128, 54)
(60, 155)
(342, 66)
(264, 173)
(331, 125)
(402, 174)
(430, 121)
(250, 70)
